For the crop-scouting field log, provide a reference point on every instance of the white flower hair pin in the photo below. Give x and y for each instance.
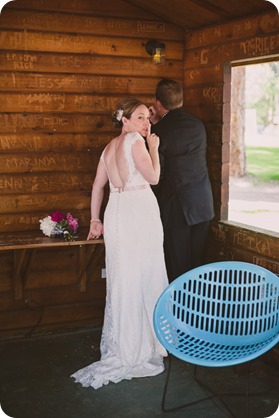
(119, 114)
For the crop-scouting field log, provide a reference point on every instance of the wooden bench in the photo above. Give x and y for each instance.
(24, 246)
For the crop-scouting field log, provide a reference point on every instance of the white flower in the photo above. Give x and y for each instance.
(60, 224)
(47, 226)
(119, 114)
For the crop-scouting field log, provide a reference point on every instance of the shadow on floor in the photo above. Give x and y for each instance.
(35, 383)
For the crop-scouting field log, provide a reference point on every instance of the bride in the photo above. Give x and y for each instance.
(133, 235)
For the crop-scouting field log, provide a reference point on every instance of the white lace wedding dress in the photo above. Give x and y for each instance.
(136, 276)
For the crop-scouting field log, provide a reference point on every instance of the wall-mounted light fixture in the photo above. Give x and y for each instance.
(157, 50)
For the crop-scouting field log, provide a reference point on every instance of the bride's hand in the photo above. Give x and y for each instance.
(96, 230)
(153, 141)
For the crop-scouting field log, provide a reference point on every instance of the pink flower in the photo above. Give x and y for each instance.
(72, 222)
(59, 224)
(58, 216)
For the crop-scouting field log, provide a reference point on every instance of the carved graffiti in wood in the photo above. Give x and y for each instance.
(213, 55)
(268, 264)
(22, 61)
(212, 94)
(260, 46)
(57, 162)
(33, 202)
(57, 142)
(236, 30)
(257, 243)
(144, 26)
(23, 183)
(54, 123)
(17, 183)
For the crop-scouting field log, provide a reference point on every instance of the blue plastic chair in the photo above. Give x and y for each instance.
(220, 314)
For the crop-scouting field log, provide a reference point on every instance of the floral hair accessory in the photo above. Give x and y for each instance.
(60, 224)
(119, 114)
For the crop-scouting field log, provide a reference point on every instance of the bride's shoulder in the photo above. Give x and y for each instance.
(108, 148)
(112, 143)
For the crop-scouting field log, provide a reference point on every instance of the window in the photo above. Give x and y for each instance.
(254, 146)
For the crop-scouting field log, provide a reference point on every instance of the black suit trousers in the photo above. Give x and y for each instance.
(184, 245)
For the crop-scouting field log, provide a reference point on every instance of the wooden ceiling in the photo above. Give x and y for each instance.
(195, 14)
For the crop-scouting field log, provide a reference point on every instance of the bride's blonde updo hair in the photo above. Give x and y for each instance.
(125, 107)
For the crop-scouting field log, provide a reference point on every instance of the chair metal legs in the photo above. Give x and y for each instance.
(217, 398)
(177, 408)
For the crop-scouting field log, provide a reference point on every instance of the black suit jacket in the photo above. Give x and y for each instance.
(184, 174)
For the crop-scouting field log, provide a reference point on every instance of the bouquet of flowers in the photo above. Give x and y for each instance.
(60, 224)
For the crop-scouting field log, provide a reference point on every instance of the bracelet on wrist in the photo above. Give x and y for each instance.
(95, 220)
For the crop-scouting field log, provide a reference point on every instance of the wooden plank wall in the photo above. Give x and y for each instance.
(63, 67)
(209, 54)
(62, 72)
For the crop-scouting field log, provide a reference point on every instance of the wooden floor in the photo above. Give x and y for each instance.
(35, 383)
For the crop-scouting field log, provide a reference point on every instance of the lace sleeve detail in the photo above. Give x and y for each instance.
(130, 139)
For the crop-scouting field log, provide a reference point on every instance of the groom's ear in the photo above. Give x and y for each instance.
(159, 105)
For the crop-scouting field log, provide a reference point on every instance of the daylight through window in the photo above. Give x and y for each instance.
(254, 145)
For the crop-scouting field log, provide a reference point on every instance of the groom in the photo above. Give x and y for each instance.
(184, 191)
